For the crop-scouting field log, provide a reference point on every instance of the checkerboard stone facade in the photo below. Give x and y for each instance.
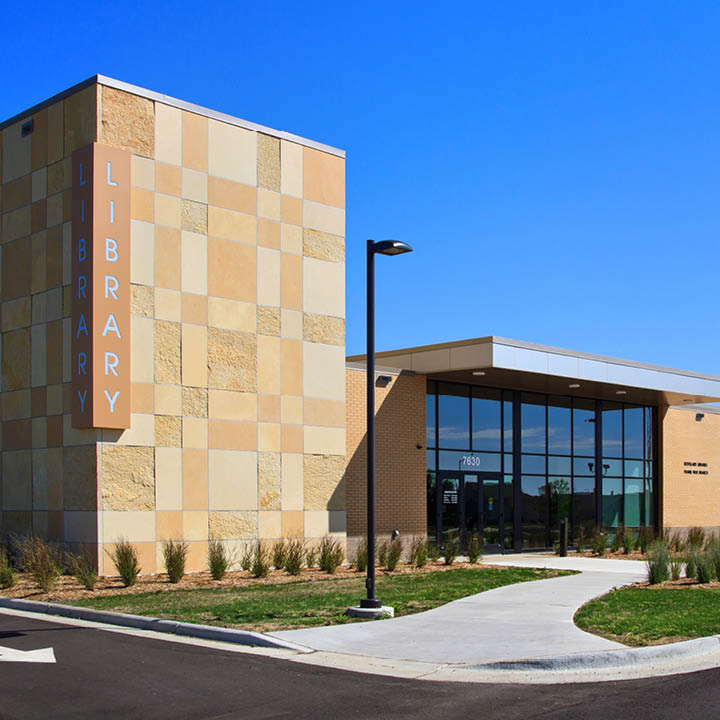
(237, 333)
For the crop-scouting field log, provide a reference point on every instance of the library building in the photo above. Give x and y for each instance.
(172, 318)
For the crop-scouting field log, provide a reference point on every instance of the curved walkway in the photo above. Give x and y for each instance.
(523, 621)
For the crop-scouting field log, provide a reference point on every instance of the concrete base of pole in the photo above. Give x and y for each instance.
(371, 613)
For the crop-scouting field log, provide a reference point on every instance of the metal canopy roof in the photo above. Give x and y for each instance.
(539, 368)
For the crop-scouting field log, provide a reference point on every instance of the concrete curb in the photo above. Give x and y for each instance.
(140, 622)
(608, 659)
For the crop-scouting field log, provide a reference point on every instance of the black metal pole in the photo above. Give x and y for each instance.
(370, 601)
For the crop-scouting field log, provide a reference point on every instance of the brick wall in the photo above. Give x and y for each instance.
(399, 464)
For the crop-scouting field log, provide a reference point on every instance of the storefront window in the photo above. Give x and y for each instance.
(454, 420)
(486, 434)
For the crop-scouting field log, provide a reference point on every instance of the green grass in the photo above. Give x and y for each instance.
(644, 616)
(311, 603)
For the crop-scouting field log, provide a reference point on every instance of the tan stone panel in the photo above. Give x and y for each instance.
(128, 122)
(141, 431)
(330, 413)
(232, 225)
(291, 282)
(231, 270)
(55, 131)
(232, 314)
(269, 408)
(168, 211)
(323, 287)
(323, 177)
(291, 382)
(142, 252)
(141, 344)
(141, 398)
(291, 168)
(195, 525)
(231, 195)
(194, 355)
(54, 399)
(324, 218)
(268, 364)
(128, 478)
(142, 172)
(291, 438)
(323, 371)
(291, 210)
(39, 433)
(167, 258)
(38, 402)
(168, 305)
(268, 277)
(17, 480)
(323, 329)
(168, 399)
(142, 206)
(168, 431)
(16, 153)
(142, 301)
(268, 320)
(231, 435)
(39, 184)
(168, 179)
(292, 524)
(268, 204)
(16, 359)
(195, 479)
(269, 436)
(80, 478)
(169, 525)
(268, 234)
(16, 269)
(59, 176)
(39, 271)
(40, 140)
(291, 324)
(55, 352)
(167, 352)
(194, 141)
(195, 401)
(80, 121)
(233, 525)
(16, 314)
(292, 481)
(195, 186)
(16, 224)
(229, 405)
(194, 216)
(233, 480)
(232, 360)
(324, 440)
(323, 246)
(17, 522)
(269, 524)
(268, 152)
(38, 216)
(194, 262)
(17, 193)
(54, 258)
(168, 134)
(324, 487)
(232, 152)
(194, 309)
(16, 405)
(138, 526)
(291, 409)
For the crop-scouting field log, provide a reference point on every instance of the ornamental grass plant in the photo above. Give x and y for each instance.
(294, 556)
(452, 547)
(42, 560)
(705, 568)
(278, 554)
(474, 554)
(219, 561)
(658, 563)
(83, 568)
(360, 559)
(175, 556)
(394, 554)
(7, 572)
(418, 555)
(125, 559)
(331, 554)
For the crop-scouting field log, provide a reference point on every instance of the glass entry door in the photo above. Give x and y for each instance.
(470, 503)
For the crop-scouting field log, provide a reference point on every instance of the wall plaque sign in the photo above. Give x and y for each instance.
(695, 468)
(101, 287)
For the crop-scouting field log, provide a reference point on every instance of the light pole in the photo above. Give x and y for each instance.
(381, 247)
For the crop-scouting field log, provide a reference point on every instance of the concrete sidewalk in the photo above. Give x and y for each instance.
(523, 621)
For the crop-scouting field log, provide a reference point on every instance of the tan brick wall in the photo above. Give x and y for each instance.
(399, 467)
(237, 335)
(690, 499)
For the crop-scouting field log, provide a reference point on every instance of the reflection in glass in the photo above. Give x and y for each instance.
(583, 427)
(533, 464)
(584, 504)
(431, 505)
(507, 425)
(584, 466)
(649, 502)
(454, 420)
(532, 416)
(534, 511)
(633, 468)
(486, 433)
(611, 501)
(455, 460)
(559, 488)
(558, 465)
(611, 467)
(430, 421)
(508, 466)
(559, 426)
(634, 432)
(633, 501)
(612, 429)
(449, 498)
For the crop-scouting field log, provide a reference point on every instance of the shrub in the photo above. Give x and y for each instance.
(83, 568)
(691, 565)
(599, 542)
(473, 549)
(7, 572)
(260, 565)
(645, 538)
(394, 553)
(311, 557)
(676, 565)
(696, 538)
(218, 559)
(125, 558)
(175, 554)
(382, 553)
(278, 555)
(658, 563)
(704, 565)
(715, 555)
(246, 558)
(41, 560)
(294, 555)
(433, 551)
(418, 555)
(628, 542)
(331, 554)
(616, 543)
(360, 561)
(580, 539)
(451, 550)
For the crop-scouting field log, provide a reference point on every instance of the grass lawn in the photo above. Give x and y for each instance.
(304, 604)
(652, 616)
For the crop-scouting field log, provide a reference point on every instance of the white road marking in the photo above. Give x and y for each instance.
(44, 655)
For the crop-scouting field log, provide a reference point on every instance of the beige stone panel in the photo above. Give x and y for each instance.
(268, 204)
(232, 195)
(15, 405)
(195, 479)
(142, 205)
(127, 478)
(169, 527)
(232, 270)
(142, 398)
(142, 253)
(39, 184)
(67, 349)
(231, 314)
(67, 254)
(194, 141)
(194, 216)
(141, 431)
(128, 122)
(197, 556)
(16, 359)
(17, 480)
(291, 239)
(55, 399)
(323, 246)
(142, 301)
(233, 525)
(324, 218)
(16, 152)
(291, 324)
(195, 433)
(268, 364)
(194, 355)
(268, 277)
(291, 409)
(55, 131)
(168, 258)
(317, 523)
(72, 437)
(168, 431)
(40, 480)
(168, 134)
(195, 525)
(228, 405)
(80, 478)
(268, 161)
(229, 435)
(17, 313)
(194, 308)
(323, 177)
(269, 524)
(269, 437)
(195, 185)
(324, 329)
(293, 525)
(324, 440)
(291, 210)
(168, 210)
(168, 478)
(269, 408)
(323, 287)
(194, 263)
(134, 525)
(324, 486)
(40, 265)
(268, 320)
(232, 360)
(39, 432)
(38, 355)
(142, 172)
(292, 481)
(232, 152)
(269, 480)
(232, 225)
(291, 281)
(195, 401)
(141, 347)
(330, 413)
(17, 224)
(167, 352)
(324, 371)
(291, 168)
(168, 179)
(233, 480)
(167, 304)
(81, 527)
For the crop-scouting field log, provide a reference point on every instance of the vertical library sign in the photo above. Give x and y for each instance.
(101, 287)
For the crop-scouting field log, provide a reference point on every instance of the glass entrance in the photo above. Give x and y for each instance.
(470, 503)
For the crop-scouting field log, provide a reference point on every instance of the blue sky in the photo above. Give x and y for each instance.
(555, 165)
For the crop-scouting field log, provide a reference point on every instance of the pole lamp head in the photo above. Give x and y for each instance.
(390, 247)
